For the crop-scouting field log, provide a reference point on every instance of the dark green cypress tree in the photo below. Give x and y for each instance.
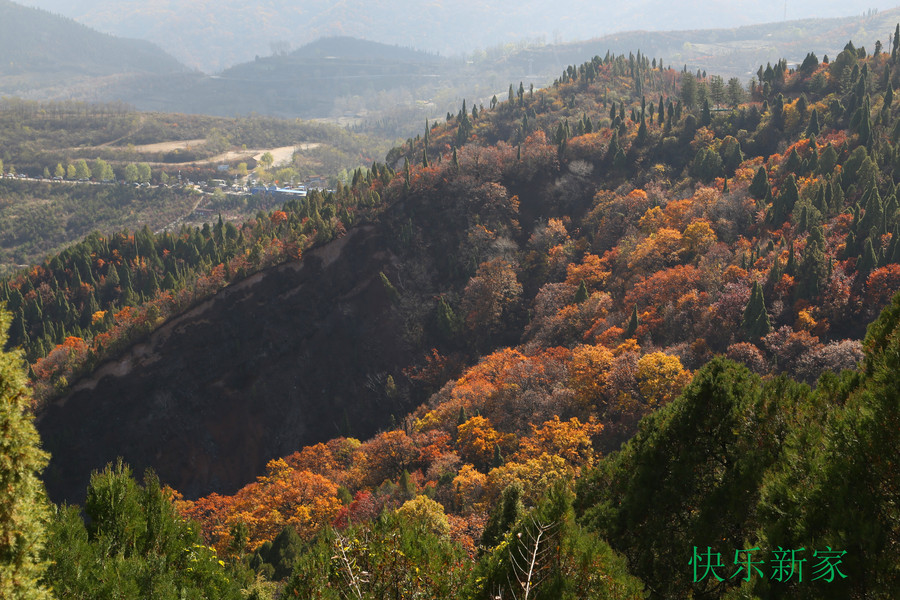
(448, 323)
(873, 218)
(778, 112)
(705, 114)
(87, 313)
(633, 323)
(865, 124)
(614, 148)
(890, 211)
(17, 333)
(777, 214)
(505, 514)
(820, 201)
(789, 194)
(168, 282)
(827, 160)
(792, 164)
(151, 287)
(756, 320)
(642, 132)
(15, 301)
(461, 416)
(803, 222)
(498, 460)
(837, 194)
(791, 267)
(581, 294)
(25, 509)
(813, 160)
(759, 187)
(868, 260)
(894, 257)
(407, 486)
(850, 245)
(814, 266)
(895, 46)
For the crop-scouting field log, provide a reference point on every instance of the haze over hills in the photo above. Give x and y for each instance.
(341, 76)
(45, 54)
(213, 35)
(390, 88)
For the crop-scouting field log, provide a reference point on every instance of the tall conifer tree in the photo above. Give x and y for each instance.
(23, 505)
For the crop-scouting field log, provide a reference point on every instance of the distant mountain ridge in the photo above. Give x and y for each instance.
(214, 35)
(41, 50)
(392, 88)
(327, 77)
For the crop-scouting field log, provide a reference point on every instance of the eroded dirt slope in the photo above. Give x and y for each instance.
(288, 357)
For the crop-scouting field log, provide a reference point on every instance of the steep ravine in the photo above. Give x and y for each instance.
(288, 357)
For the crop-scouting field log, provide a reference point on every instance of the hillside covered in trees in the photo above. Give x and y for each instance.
(640, 339)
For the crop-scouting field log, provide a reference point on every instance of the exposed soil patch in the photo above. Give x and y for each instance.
(281, 360)
(169, 146)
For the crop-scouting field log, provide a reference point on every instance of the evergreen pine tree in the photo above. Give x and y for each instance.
(505, 514)
(407, 486)
(756, 319)
(837, 194)
(18, 333)
(23, 505)
(705, 115)
(894, 256)
(803, 222)
(633, 323)
(895, 47)
(867, 260)
(642, 132)
(813, 128)
(759, 187)
(850, 245)
(865, 124)
(447, 321)
(814, 267)
(789, 194)
(791, 267)
(461, 416)
(581, 294)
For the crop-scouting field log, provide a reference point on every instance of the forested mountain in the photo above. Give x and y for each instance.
(42, 51)
(310, 81)
(631, 335)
